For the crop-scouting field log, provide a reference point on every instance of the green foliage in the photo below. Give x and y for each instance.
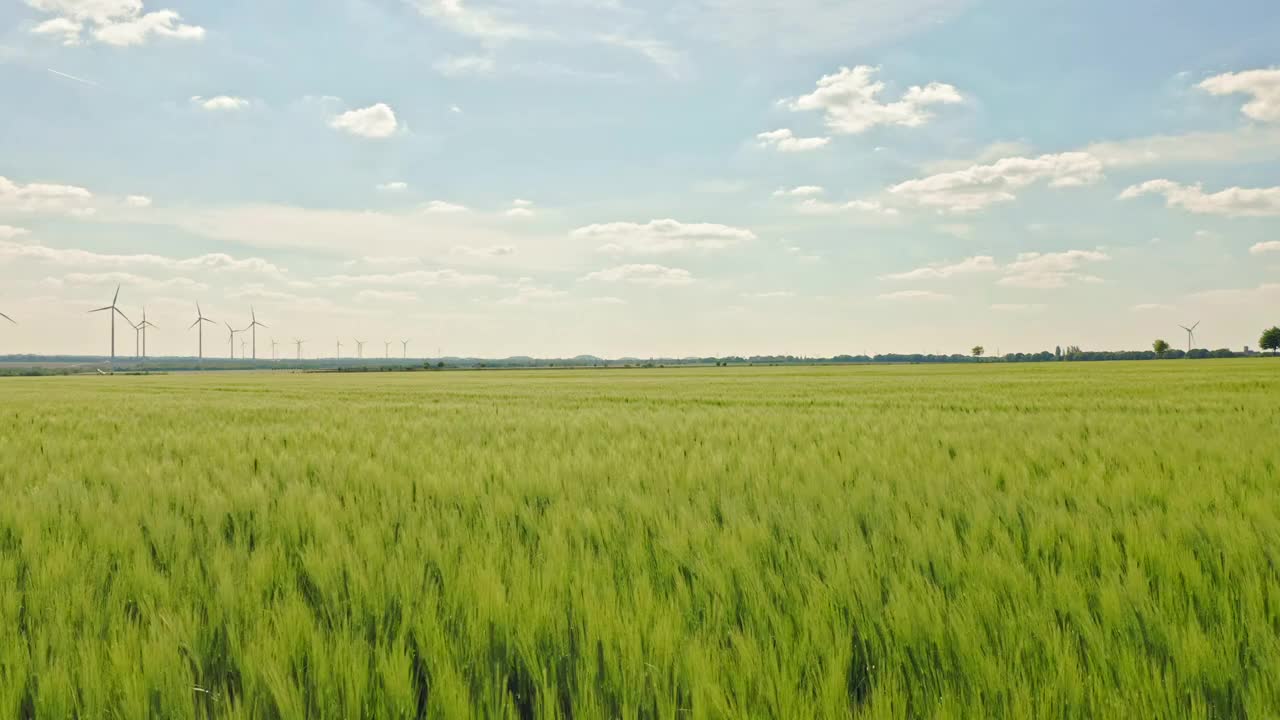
(978, 351)
(770, 542)
(1160, 347)
(1270, 339)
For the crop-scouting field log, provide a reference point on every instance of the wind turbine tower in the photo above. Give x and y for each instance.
(360, 349)
(338, 355)
(274, 357)
(253, 326)
(199, 323)
(114, 310)
(386, 346)
(405, 343)
(231, 338)
(143, 327)
(1191, 334)
(299, 344)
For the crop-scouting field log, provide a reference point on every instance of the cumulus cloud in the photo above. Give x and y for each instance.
(138, 201)
(527, 292)
(9, 232)
(849, 100)
(456, 65)
(1018, 307)
(607, 300)
(1262, 295)
(914, 295)
(1051, 270)
(376, 121)
(44, 197)
(490, 252)
(112, 22)
(421, 278)
(979, 186)
(1231, 202)
(799, 191)
(770, 294)
(662, 236)
(86, 258)
(219, 103)
(978, 264)
(814, 206)
(648, 274)
(521, 209)
(1245, 144)
(1147, 307)
(396, 186)
(1257, 249)
(783, 140)
(459, 17)
(1263, 86)
(1028, 270)
(386, 296)
(440, 207)
(124, 278)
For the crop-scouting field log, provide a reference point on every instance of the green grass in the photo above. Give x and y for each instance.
(1029, 541)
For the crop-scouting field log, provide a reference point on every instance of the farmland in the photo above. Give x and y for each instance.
(1056, 540)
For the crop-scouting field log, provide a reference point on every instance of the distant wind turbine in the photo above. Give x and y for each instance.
(1191, 334)
(338, 356)
(386, 346)
(273, 349)
(114, 310)
(360, 349)
(405, 343)
(199, 323)
(143, 327)
(231, 340)
(299, 344)
(253, 327)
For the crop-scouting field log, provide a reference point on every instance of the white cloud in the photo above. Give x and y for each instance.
(1231, 202)
(662, 236)
(799, 191)
(85, 258)
(958, 230)
(456, 65)
(113, 22)
(128, 279)
(521, 202)
(138, 201)
(1247, 144)
(491, 252)
(527, 293)
(220, 102)
(1146, 307)
(386, 296)
(44, 197)
(395, 186)
(982, 185)
(608, 300)
(376, 121)
(849, 101)
(935, 271)
(9, 232)
(440, 207)
(1261, 85)
(784, 141)
(814, 206)
(654, 275)
(521, 208)
(455, 109)
(771, 294)
(443, 278)
(1257, 249)
(1267, 294)
(1018, 307)
(914, 295)
(1051, 270)
(668, 60)
(464, 20)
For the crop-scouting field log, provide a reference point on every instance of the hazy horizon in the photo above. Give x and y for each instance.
(687, 178)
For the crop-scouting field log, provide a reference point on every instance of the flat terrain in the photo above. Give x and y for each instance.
(1029, 541)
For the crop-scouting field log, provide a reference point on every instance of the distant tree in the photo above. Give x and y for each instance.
(1270, 340)
(978, 350)
(1161, 347)
(1057, 352)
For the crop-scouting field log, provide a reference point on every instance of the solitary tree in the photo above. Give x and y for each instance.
(1270, 340)
(978, 350)
(1161, 347)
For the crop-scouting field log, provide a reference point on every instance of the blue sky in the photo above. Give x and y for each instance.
(695, 177)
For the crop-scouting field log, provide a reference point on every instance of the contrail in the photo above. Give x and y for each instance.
(73, 77)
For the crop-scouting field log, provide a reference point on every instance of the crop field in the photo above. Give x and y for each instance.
(1061, 540)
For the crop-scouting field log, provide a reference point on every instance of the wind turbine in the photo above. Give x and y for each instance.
(405, 343)
(199, 323)
(338, 356)
(253, 326)
(243, 343)
(1191, 334)
(360, 349)
(386, 346)
(231, 341)
(114, 309)
(299, 344)
(143, 327)
(273, 349)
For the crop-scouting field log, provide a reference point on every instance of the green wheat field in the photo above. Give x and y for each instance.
(1062, 540)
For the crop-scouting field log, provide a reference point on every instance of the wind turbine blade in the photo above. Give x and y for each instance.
(115, 297)
(197, 322)
(1193, 327)
(6, 317)
(102, 309)
(126, 317)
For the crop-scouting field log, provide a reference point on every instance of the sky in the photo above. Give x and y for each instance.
(624, 178)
